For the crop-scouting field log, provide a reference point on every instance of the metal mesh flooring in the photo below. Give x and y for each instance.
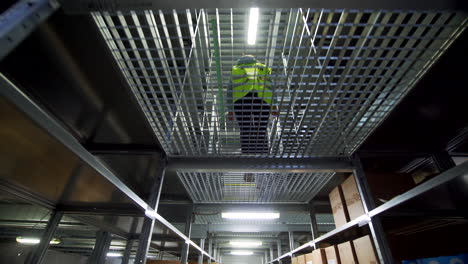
(336, 73)
(253, 188)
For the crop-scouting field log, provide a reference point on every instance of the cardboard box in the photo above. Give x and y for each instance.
(365, 251)
(332, 255)
(301, 259)
(352, 198)
(316, 257)
(340, 213)
(294, 260)
(347, 254)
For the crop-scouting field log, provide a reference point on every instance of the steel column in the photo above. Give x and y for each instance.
(210, 248)
(188, 229)
(266, 256)
(271, 254)
(375, 225)
(148, 223)
(313, 222)
(128, 251)
(202, 246)
(101, 247)
(279, 249)
(40, 251)
(291, 240)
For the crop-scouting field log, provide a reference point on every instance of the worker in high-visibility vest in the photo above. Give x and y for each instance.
(253, 103)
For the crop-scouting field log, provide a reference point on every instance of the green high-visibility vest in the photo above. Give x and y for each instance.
(254, 77)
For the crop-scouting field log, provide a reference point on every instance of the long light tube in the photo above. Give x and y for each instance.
(114, 254)
(253, 23)
(242, 253)
(35, 240)
(245, 243)
(249, 215)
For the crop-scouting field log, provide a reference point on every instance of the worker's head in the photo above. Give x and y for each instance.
(247, 59)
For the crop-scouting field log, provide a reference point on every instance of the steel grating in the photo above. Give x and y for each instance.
(253, 188)
(336, 73)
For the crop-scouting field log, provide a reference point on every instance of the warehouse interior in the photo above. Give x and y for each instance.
(117, 145)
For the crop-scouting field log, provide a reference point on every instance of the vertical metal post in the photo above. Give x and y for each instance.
(101, 247)
(272, 257)
(313, 222)
(40, 251)
(210, 248)
(202, 246)
(279, 249)
(378, 234)
(128, 251)
(148, 223)
(266, 256)
(188, 229)
(291, 241)
(130, 242)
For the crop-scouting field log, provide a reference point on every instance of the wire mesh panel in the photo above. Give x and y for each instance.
(336, 74)
(285, 217)
(253, 188)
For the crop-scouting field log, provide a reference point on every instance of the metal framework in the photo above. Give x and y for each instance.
(439, 180)
(336, 73)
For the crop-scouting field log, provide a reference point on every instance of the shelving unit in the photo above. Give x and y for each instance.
(444, 178)
(339, 72)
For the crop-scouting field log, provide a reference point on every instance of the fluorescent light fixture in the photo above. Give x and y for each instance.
(250, 215)
(114, 254)
(28, 240)
(35, 240)
(253, 23)
(242, 253)
(245, 243)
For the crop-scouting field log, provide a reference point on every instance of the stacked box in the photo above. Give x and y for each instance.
(346, 253)
(364, 249)
(352, 198)
(340, 214)
(294, 260)
(316, 257)
(301, 259)
(332, 255)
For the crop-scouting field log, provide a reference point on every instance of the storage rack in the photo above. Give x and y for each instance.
(191, 157)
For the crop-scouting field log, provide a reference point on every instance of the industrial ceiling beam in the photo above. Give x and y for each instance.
(260, 165)
(85, 6)
(255, 227)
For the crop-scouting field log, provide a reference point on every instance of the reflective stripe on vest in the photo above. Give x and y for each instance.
(249, 78)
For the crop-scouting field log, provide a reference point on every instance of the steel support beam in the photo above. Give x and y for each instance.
(86, 6)
(20, 20)
(313, 222)
(266, 256)
(255, 228)
(148, 223)
(378, 234)
(40, 250)
(101, 247)
(128, 251)
(202, 246)
(291, 240)
(261, 165)
(10, 92)
(279, 249)
(210, 248)
(188, 230)
(122, 149)
(271, 254)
